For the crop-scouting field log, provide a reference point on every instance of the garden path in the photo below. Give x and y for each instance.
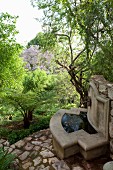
(36, 152)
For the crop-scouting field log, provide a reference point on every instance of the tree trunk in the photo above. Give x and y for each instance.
(30, 115)
(26, 121)
(77, 82)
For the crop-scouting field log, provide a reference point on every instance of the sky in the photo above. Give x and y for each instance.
(27, 26)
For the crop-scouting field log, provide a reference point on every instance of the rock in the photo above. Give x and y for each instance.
(12, 146)
(36, 148)
(108, 166)
(36, 142)
(45, 145)
(77, 168)
(60, 165)
(43, 138)
(33, 154)
(24, 155)
(17, 152)
(26, 165)
(44, 161)
(46, 154)
(31, 168)
(6, 143)
(2, 140)
(20, 143)
(10, 150)
(28, 138)
(28, 147)
(41, 167)
(37, 161)
(53, 160)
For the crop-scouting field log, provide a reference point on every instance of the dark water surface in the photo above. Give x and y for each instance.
(73, 122)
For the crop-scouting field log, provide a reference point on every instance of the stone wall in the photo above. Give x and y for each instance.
(105, 89)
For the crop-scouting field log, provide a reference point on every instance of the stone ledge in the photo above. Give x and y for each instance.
(68, 144)
(89, 142)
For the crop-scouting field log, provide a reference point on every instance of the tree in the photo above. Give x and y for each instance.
(11, 67)
(90, 22)
(34, 57)
(37, 90)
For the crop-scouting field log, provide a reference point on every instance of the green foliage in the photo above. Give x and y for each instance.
(41, 41)
(4, 132)
(84, 32)
(36, 81)
(42, 123)
(11, 70)
(5, 159)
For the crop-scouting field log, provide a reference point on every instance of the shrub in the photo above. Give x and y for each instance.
(4, 132)
(43, 123)
(5, 159)
(17, 135)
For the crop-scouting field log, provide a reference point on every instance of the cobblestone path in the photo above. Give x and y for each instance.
(36, 153)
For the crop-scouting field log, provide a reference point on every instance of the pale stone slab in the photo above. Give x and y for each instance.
(36, 142)
(6, 143)
(20, 144)
(29, 147)
(31, 168)
(37, 161)
(28, 138)
(33, 154)
(26, 165)
(46, 154)
(17, 152)
(45, 145)
(53, 160)
(44, 161)
(36, 148)
(60, 166)
(1, 145)
(24, 155)
(12, 146)
(43, 138)
(77, 168)
(2, 140)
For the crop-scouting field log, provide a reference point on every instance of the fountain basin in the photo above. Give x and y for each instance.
(100, 117)
(68, 144)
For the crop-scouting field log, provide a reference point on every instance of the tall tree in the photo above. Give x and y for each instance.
(11, 69)
(72, 20)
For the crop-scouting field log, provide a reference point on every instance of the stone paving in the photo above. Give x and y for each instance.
(36, 153)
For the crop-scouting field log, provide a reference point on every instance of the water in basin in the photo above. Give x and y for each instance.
(73, 122)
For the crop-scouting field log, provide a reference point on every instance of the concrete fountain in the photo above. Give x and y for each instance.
(99, 116)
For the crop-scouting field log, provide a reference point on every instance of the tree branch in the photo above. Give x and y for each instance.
(63, 66)
(76, 57)
(70, 46)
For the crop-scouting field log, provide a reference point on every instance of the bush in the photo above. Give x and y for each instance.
(5, 159)
(43, 123)
(16, 135)
(4, 132)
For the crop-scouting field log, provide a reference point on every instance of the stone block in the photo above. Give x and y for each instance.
(111, 112)
(94, 153)
(103, 89)
(110, 93)
(111, 146)
(111, 129)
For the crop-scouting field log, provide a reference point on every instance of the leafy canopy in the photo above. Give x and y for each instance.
(11, 70)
